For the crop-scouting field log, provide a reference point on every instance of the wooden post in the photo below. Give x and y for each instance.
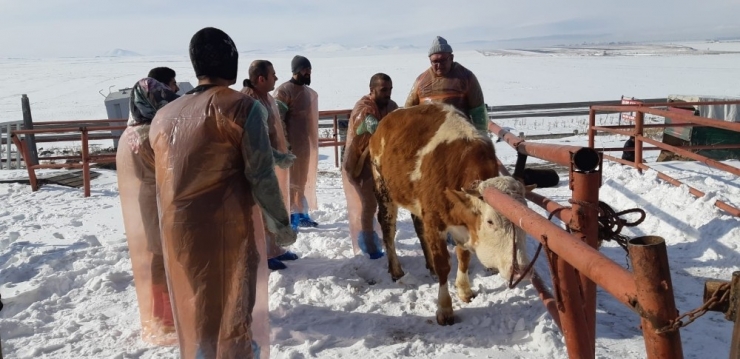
(85, 162)
(655, 296)
(734, 315)
(28, 125)
(21, 146)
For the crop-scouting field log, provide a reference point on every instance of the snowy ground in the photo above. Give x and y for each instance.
(65, 272)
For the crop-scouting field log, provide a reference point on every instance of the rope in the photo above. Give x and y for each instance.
(515, 264)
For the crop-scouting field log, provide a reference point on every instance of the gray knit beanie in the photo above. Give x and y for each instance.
(439, 45)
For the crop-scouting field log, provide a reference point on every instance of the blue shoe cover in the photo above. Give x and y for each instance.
(287, 256)
(275, 264)
(369, 243)
(306, 221)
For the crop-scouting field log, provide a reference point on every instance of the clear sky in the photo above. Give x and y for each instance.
(49, 28)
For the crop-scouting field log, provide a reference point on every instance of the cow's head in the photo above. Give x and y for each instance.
(491, 236)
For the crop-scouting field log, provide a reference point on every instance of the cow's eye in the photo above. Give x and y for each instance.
(490, 222)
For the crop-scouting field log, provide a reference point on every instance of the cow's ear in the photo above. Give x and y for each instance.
(530, 188)
(473, 192)
(462, 206)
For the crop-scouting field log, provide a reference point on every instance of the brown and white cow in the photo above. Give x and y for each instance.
(431, 161)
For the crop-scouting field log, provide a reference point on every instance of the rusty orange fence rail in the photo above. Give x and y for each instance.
(577, 267)
(87, 130)
(686, 120)
(334, 139)
(85, 159)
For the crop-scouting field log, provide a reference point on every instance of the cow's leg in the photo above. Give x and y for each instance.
(387, 213)
(462, 282)
(419, 227)
(441, 259)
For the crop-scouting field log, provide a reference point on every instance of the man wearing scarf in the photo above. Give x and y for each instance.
(137, 190)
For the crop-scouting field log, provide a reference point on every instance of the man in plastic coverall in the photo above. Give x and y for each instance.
(449, 82)
(357, 176)
(261, 81)
(215, 180)
(299, 110)
(137, 190)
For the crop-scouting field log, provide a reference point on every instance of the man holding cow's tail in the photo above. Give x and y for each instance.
(357, 176)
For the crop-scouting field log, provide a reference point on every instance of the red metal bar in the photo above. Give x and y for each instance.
(69, 129)
(505, 135)
(672, 104)
(591, 127)
(502, 169)
(603, 271)
(619, 160)
(336, 138)
(78, 122)
(57, 165)
(706, 160)
(327, 144)
(689, 148)
(102, 158)
(696, 120)
(651, 125)
(563, 213)
(655, 296)
(334, 112)
(21, 146)
(612, 130)
(560, 154)
(639, 121)
(85, 163)
(584, 224)
(547, 299)
(572, 316)
(719, 204)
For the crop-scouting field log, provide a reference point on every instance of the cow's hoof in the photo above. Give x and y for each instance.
(445, 317)
(467, 296)
(396, 277)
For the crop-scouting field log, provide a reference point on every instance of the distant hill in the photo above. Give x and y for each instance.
(119, 53)
(332, 48)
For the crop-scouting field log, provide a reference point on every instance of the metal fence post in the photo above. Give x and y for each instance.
(584, 224)
(655, 296)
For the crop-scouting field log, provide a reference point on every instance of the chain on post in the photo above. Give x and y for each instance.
(698, 312)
